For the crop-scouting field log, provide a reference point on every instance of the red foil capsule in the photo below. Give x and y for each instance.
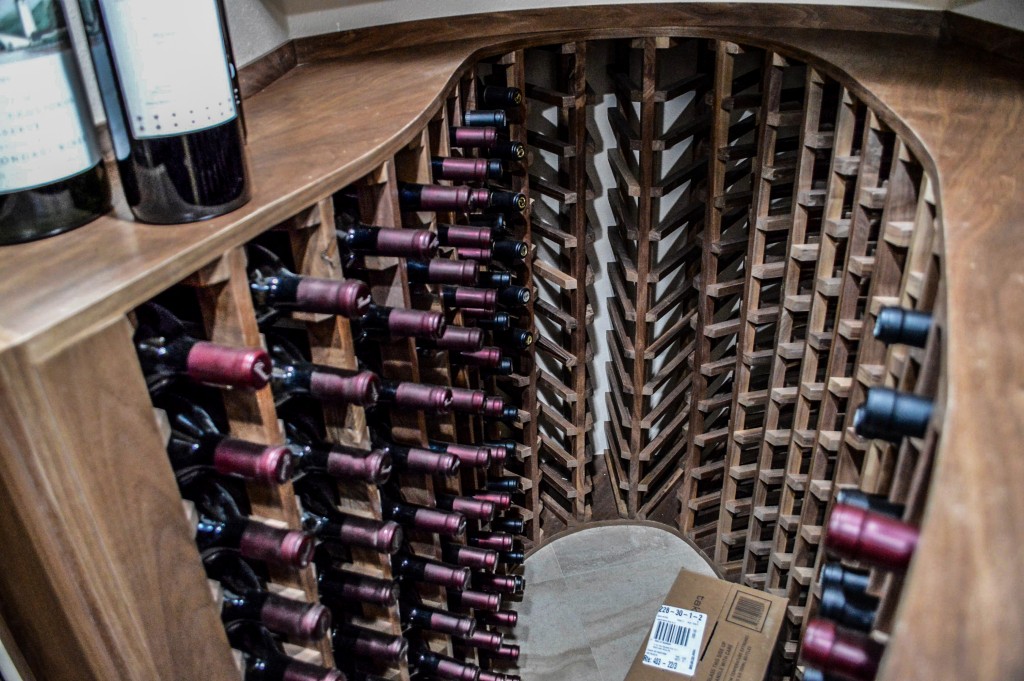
(247, 368)
(385, 536)
(271, 465)
(498, 454)
(468, 401)
(451, 577)
(488, 675)
(844, 654)
(493, 406)
(477, 509)
(484, 137)
(506, 652)
(295, 619)
(871, 538)
(501, 618)
(437, 197)
(464, 169)
(452, 624)
(415, 323)
(487, 640)
(472, 457)
(360, 388)
(487, 357)
(461, 338)
(346, 298)
(502, 501)
(469, 237)
(496, 541)
(275, 545)
(420, 244)
(478, 559)
(476, 298)
(437, 463)
(448, 524)
(461, 272)
(456, 671)
(477, 600)
(433, 398)
(474, 254)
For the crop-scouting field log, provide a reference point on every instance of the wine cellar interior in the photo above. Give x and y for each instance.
(720, 208)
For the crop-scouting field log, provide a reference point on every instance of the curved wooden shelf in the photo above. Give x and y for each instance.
(960, 110)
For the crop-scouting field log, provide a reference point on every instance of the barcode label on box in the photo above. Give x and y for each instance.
(748, 611)
(675, 640)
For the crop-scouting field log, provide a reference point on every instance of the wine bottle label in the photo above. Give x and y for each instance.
(675, 640)
(171, 65)
(46, 132)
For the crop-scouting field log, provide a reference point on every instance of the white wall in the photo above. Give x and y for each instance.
(1006, 12)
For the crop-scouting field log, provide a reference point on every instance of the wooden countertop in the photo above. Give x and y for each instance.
(961, 110)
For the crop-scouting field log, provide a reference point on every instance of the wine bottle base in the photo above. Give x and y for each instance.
(36, 214)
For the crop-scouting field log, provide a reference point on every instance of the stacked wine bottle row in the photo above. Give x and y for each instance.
(333, 413)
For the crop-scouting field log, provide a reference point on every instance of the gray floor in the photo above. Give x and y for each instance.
(591, 597)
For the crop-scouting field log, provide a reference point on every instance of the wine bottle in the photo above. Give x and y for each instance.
(167, 352)
(292, 375)
(502, 501)
(485, 357)
(503, 654)
(466, 169)
(869, 502)
(497, 321)
(497, 541)
(488, 139)
(489, 675)
(467, 556)
(856, 613)
(437, 666)
(508, 446)
(495, 407)
(312, 454)
(509, 525)
(456, 338)
(364, 642)
(468, 455)
(322, 517)
(848, 655)
(417, 460)
(223, 525)
(468, 401)
(475, 509)
(512, 485)
(386, 323)
(505, 251)
(500, 618)
(432, 197)
(494, 279)
(834, 575)
(890, 415)
(197, 440)
(275, 288)
(485, 118)
(265, 661)
(488, 640)
(246, 597)
(465, 236)
(514, 339)
(418, 569)
(423, 617)
(434, 399)
(477, 600)
(459, 272)
(503, 584)
(166, 87)
(356, 240)
(52, 178)
(870, 538)
(900, 325)
(427, 519)
(500, 97)
(464, 297)
(345, 586)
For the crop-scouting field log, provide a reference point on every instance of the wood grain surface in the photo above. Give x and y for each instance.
(323, 125)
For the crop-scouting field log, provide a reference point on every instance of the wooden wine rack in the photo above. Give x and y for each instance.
(780, 174)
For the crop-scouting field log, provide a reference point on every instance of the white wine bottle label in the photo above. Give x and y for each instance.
(171, 65)
(46, 132)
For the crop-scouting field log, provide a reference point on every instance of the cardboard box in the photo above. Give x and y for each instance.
(710, 630)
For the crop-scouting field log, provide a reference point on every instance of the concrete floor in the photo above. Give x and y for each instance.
(591, 597)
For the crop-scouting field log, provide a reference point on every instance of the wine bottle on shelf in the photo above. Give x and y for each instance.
(853, 612)
(350, 587)
(416, 569)
(477, 600)
(166, 86)
(53, 177)
(502, 501)
(422, 617)
(440, 271)
(467, 556)
(870, 538)
(313, 454)
(469, 401)
(275, 289)
(503, 654)
(222, 525)
(454, 236)
(834, 575)
(432, 197)
(477, 118)
(474, 509)
(167, 352)
(512, 485)
(488, 640)
(509, 525)
(321, 517)
(197, 440)
(434, 399)
(497, 541)
(444, 523)
(490, 675)
(500, 618)
(358, 240)
(518, 340)
(499, 97)
(245, 597)
(456, 338)
(470, 456)
(466, 169)
(890, 415)
(489, 139)
(415, 460)
(494, 279)
(489, 321)
(869, 502)
(490, 357)
(266, 661)
(292, 375)
(901, 325)
(473, 298)
(503, 584)
(386, 323)
(846, 654)
(363, 642)
(505, 251)
(437, 666)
